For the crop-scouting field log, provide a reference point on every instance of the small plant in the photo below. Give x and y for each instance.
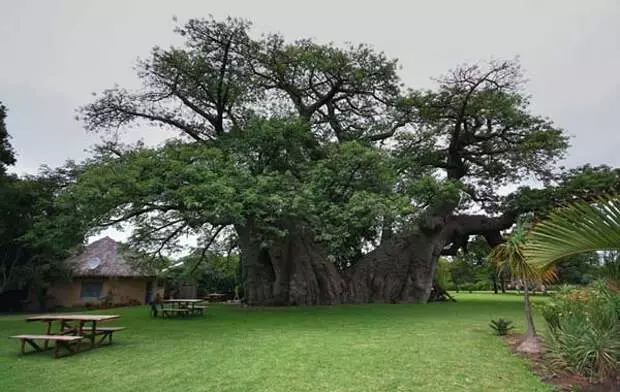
(501, 327)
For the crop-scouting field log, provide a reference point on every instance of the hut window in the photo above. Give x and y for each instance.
(91, 289)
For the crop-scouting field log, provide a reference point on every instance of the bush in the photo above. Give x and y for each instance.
(482, 285)
(468, 287)
(501, 327)
(133, 302)
(584, 330)
(108, 300)
(91, 305)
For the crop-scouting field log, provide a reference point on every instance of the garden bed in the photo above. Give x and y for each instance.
(562, 380)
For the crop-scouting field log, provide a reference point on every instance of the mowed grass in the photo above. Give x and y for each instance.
(435, 347)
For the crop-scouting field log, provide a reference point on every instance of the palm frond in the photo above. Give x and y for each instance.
(577, 228)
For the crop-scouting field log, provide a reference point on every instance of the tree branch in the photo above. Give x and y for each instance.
(205, 248)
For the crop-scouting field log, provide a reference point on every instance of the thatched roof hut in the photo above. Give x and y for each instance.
(107, 258)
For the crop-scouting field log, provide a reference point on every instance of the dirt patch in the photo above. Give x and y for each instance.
(563, 381)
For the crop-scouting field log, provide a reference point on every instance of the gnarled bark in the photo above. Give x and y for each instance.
(295, 270)
(257, 272)
(400, 270)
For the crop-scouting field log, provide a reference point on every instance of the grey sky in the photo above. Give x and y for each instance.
(55, 53)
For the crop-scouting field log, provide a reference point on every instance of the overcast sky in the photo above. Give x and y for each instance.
(56, 53)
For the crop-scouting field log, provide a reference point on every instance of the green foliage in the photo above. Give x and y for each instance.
(482, 285)
(478, 129)
(584, 330)
(271, 174)
(585, 183)
(611, 266)
(272, 134)
(470, 287)
(443, 275)
(579, 269)
(578, 228)
(501, 327)
(283, 132)
(7, 155)
(510, 256)
(212, 273)
(36, 230)
(461, 272)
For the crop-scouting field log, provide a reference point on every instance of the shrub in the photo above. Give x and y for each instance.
(108, 299)
(501, 327)
(468, 287)
(584, 330)
(482, 285)
(91, 305)
(133, 302)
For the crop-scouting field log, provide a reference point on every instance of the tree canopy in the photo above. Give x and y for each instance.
(36, 228)
(308, 155)
(294, 125)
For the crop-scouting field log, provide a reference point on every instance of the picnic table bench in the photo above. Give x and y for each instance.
(215, 296)
(167, 312)
(68, 342)
(71, 333)
(182, 307)
(199, 309)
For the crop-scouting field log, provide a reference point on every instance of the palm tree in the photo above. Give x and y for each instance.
(510, 256)
(578, 228)
(531, 256)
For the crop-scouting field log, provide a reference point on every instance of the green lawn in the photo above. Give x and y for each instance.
(436, 347)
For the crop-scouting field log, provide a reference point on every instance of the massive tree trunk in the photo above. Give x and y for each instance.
(293, 270)
(257, 272)
(403, 269)
(400, 270)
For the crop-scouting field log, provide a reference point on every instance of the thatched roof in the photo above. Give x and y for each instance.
(105, 258)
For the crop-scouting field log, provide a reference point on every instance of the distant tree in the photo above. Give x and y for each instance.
(611, 264)
(579, 269)
(7, 155)
(476, 255)
(461, 272)
(216, 273)
(443, 275)
(35, 232)
(36, 229)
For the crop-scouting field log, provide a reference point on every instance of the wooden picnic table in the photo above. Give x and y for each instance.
(73, 324)
(72, 329)
(183, 306)
(215, 296)
(183, 300)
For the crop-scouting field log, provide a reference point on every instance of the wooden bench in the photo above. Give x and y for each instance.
(199, 309)
(70, 343)
(107, 333)
(170, 311)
